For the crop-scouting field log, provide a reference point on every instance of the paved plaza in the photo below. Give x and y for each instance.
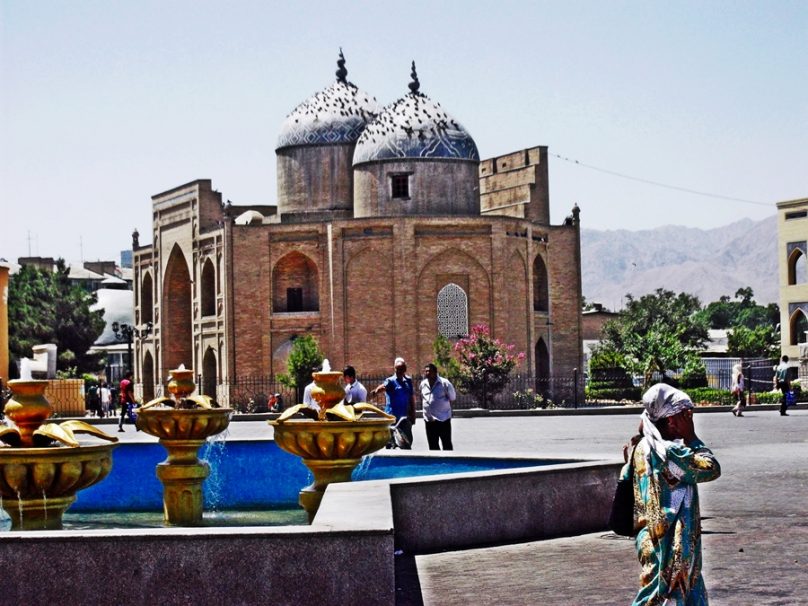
(755, 528)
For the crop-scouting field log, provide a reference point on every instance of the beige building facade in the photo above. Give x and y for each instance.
(792, 253)
(388, 231)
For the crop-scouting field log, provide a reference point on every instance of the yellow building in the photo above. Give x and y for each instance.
(792, 254)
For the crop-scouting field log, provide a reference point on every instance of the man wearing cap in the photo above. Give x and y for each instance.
(400, 400)
(667, 463)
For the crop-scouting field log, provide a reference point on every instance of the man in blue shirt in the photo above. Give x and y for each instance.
(400, 401)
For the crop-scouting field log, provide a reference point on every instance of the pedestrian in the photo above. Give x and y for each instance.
(783, 383)
(399, 398)
(93, 400)
(106, 399)
(668, 461)
(437, 395)
(308, 399)
(127, 398)
(738, 390)
(355, 392)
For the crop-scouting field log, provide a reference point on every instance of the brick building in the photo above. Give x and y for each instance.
(388, 231)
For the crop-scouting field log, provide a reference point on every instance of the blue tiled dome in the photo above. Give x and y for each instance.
(415, 126)
(333, 116)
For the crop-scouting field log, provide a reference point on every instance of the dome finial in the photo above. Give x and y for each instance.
(415, 85)
(342, 73)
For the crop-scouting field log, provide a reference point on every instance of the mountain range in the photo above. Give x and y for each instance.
(707, 263)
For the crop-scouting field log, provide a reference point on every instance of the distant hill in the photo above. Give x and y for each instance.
(707, 263)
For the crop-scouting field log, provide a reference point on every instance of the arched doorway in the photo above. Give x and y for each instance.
(209, 373)
(176, 320)
(148, 377)
(797, 271)
(295, 284)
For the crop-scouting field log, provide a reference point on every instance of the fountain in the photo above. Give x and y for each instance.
(39, 480)
(333, 444)
(182, 423)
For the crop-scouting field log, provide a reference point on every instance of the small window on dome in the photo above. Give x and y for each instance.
(400, 186)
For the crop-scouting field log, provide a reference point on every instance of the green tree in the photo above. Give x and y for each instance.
(657, 333)
(44, 307)
(758, 342)
(447, 364)
(485, 364)
(304, 357)
(744, 311)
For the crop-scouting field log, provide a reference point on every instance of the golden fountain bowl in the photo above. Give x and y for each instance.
(183, 424)
(329, 440)
(34, 473)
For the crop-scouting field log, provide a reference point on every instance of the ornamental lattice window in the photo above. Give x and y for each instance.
(453, 312)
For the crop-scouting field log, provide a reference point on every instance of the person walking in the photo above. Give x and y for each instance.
(106, 400)
(437, 395)
(783, 383)
(738, 390)
(668, 461)
(355, 392)
(400, 402)
(127, 398)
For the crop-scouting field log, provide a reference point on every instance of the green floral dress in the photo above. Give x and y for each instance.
(666, 516)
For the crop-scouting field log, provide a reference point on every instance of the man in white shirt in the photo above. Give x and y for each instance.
(437, 395)
(355, 392)
(307, 399)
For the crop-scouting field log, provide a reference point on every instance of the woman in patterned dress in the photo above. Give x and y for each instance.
(669, 461)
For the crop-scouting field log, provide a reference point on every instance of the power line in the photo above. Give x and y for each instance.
(658, 184)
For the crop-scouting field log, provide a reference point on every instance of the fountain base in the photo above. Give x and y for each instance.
(183, 501)
(37, 514)
(325, 472)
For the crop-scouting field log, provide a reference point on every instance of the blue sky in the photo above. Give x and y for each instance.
(104, 104)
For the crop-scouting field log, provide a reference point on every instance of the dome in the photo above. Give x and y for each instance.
(415, 126)
(334, 116)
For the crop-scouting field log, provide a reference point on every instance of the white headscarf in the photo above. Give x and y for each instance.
(661, 401)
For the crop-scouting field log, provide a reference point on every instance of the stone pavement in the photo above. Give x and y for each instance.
(755, 528)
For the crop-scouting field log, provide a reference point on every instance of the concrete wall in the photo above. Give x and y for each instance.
(345, 557)
(315, 178)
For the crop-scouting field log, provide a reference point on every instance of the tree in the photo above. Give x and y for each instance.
(304, 357)
(447, 364)
(657, 333)
(759, 342)
(726, 313)
(485, 364)
(44, 307)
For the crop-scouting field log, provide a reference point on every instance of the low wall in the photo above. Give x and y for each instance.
(346, 556)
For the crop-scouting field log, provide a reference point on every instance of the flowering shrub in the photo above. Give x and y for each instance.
(485, 364)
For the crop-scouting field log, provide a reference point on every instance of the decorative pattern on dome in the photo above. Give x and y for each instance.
(333, 116)
(414, 127)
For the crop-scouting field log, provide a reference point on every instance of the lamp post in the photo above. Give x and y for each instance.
(126, 333)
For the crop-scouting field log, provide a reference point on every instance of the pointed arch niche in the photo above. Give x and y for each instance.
(295, 284)
(146, 299)
(208, 289)
(147, 377)
(797, 267)
(798, 326)
(176, 320)
(209, 374)
(541, 290)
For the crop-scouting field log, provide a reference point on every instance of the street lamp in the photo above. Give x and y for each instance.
(126, 333)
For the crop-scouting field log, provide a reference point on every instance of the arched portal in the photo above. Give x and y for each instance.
(540, 287)
(147, 377)
(209, 373)
(176, 320)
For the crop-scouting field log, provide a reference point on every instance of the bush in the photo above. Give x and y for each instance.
(709, 396)
(632, 394)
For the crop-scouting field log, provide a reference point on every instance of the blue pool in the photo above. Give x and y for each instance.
(253, 475)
